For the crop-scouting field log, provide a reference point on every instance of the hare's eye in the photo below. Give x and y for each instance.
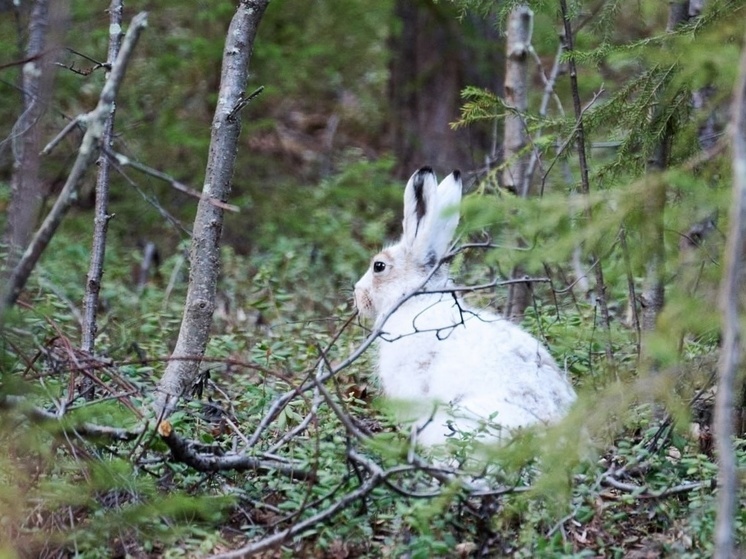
(378, 266)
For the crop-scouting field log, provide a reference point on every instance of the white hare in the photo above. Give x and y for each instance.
(450, 366)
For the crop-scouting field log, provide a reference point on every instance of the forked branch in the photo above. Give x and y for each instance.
(86, 155)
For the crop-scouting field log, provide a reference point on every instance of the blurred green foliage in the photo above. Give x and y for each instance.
(312, 213)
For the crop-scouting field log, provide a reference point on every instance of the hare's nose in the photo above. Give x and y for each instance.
(359, 293)
(360, 284)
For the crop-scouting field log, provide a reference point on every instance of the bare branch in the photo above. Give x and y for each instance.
(74, 123)
(731, 308)
(86, 430)
(377, 476)
(193, 455)
(101, 220)
(584, 180)
(346, 420)
(125, 161)
(548, 93)
(302, 426)
(243, 101)
(86, 154)
(113, 13)
(644, 492)
(22, 61)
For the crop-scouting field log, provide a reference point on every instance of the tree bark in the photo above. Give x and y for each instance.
(434, 56)
(86, 154)
(520, 29)
(208, 224)
(515, 137)
(44, 37)
(101, 219)
(653, 291)
(731, 353)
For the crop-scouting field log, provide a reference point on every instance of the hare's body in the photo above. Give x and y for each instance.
(448, 366)
(452, 368)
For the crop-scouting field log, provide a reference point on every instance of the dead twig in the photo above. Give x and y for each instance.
(86, 154)
(125, 161)
(243, 101)
(85, 429)
(194, 455)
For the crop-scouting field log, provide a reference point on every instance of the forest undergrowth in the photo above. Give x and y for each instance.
(630, 473)
(608, 212)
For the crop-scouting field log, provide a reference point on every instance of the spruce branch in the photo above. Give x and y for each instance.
(580, 143)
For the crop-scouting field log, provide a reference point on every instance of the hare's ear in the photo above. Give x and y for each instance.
(445, 214)
(419, 195)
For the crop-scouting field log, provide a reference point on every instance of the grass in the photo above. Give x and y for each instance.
(618, 477)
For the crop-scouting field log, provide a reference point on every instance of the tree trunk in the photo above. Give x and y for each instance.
(208, 224)
(653, 291)
(520, 28)
(87, 152)
(585, 184)
(516, 158)
(731, 353)
(101, 219)
(46, 23)
(433, 58)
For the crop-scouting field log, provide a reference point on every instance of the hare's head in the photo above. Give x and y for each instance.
(430, 219)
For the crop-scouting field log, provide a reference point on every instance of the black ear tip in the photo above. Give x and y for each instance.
(425, 170)
(456, 174)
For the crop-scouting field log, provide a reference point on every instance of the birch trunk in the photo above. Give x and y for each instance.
(516, 158)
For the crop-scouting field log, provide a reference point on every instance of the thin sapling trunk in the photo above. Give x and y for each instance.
(208, 224)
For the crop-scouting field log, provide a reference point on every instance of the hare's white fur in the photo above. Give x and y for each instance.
(450, 366)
